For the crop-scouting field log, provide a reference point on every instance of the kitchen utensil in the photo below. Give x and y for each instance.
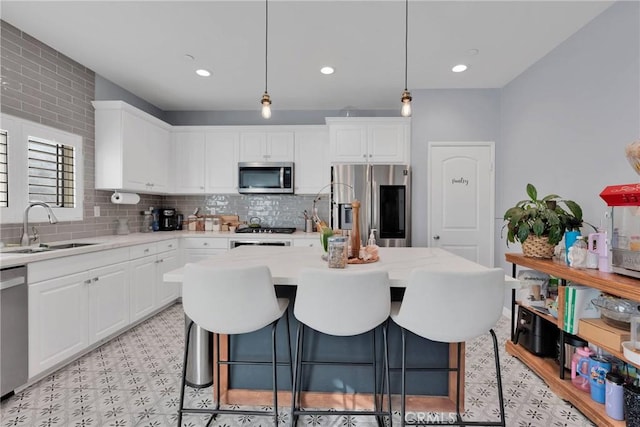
(254, 222)
(596, 372)
(617, 312)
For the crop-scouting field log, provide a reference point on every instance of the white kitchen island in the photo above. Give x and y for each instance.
(334, 387)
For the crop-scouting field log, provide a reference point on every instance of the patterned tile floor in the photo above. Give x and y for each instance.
(134, 380)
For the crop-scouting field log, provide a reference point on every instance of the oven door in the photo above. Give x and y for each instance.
(249, 242)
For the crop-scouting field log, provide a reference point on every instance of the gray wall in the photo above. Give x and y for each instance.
(109, 91)
(47, 87)
(567, 119)
(446, 115)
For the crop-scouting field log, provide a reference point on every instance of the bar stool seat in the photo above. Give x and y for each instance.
(232, 301)
(342, 303)
(451, 307)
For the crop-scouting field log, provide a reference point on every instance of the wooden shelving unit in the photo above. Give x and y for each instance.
(548, 369)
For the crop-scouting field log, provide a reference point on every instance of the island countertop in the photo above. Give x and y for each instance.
(286, 263)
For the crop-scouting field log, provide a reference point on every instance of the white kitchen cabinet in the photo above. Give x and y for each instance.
(58, 326)
(221, 162)
(266, 146)
(148, 290)
(108, 301)
(74, 302)
(308, 242)
(369, 140)
(131, 149)
(188, 166)
(312, 166)
(198, 248)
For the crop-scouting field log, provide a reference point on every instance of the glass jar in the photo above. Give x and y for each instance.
(147, 222)
(337, 257)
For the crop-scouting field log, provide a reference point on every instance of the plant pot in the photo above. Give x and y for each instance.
(537, 247)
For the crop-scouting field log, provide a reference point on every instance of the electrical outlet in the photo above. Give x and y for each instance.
(96, 211)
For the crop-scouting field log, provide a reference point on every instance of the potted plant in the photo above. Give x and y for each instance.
(540, 224)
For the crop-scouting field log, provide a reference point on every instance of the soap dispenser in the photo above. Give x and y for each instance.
(372, 238)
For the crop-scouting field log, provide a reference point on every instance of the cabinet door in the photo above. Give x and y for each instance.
(159, 142)
(312, 166)
(58, 326)
(142, 285)
(188, 162)
(136, 153)
(221, 164)
(348, 143)
(387, 143)
(108, 301)
(167, 292)
(280, 147)
(253, 147)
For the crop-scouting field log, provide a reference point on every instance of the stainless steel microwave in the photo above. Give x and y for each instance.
(265, 177)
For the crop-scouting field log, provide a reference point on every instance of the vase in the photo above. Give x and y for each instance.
(537, 247)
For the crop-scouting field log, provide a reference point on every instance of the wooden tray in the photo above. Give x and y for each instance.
(361, 261)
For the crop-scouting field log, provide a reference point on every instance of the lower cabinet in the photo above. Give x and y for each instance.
(69, 313)
(77, 301)
(199, 248)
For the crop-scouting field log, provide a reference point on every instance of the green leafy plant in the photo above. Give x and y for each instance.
(542, 217)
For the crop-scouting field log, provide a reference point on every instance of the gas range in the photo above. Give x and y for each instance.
(267, 230)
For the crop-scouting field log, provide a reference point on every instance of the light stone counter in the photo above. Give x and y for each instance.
(9, 259)
(286, 263)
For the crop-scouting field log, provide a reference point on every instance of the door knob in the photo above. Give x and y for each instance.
(436, 237)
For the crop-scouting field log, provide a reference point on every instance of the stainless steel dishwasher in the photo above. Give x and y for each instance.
(14, 329)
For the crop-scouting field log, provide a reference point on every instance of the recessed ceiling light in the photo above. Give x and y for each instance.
(203, 73)
(459, 68)
(188, 57)
(327, 70)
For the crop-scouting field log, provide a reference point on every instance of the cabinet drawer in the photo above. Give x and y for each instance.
(167, 245)
(52, 268)
(205, 243)
(142, 250)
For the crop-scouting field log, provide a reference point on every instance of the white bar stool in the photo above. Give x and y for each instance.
(232, 301)
(451, 307)
(342, 303)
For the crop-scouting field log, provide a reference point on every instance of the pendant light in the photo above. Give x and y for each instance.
(405, 111)
(266, 100)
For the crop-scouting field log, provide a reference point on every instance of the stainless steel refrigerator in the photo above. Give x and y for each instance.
(384, 192)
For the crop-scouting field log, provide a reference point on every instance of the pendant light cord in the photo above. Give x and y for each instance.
(266, 42)
(406, 41)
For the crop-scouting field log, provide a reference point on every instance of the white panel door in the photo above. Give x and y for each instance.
(108, 301)
(188, 162)
(142, 287)
(462, 199)
(58, 327)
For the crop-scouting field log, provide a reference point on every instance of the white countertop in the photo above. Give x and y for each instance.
(8, 259)
(286, 263)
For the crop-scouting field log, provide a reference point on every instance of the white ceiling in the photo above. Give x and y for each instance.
(141, 46)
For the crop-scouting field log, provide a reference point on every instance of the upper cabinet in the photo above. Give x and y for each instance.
(188, 167)
(369, 140)
(312, 166)
(266, 146)
(132, 149)
(221, 159)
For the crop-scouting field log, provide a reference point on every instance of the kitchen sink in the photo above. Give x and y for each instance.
(46, 248)
(68, 245)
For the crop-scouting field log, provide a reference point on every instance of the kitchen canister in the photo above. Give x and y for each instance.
(632, 405)
(337, 257)
(614, 396)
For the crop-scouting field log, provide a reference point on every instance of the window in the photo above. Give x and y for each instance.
(4, 176)
(51, 173)
(39, 163)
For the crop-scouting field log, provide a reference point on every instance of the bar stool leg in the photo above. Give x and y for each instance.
(274, 365)
(403, 393)
(297, 367)
(184, 372)
(499, 377)
(386, 372)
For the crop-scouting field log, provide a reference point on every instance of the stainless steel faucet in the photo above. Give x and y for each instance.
(26, 240)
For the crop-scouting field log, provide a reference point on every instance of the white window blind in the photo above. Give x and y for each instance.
(52, 173)
(4, 176)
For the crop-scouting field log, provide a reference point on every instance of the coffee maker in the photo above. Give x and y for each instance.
(168, 219)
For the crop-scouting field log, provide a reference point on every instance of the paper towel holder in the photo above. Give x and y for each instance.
(125, 198)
